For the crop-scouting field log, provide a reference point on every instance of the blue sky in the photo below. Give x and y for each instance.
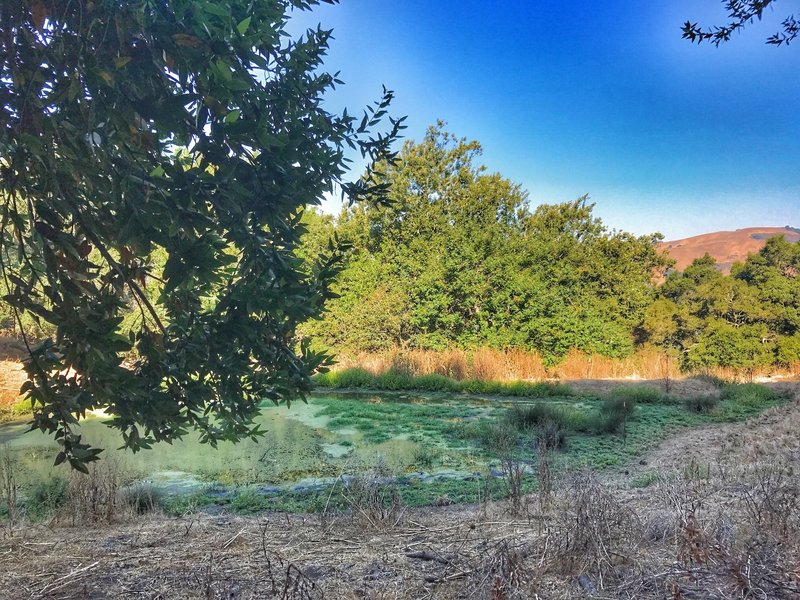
(584, 97)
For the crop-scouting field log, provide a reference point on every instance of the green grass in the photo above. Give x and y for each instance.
(17, 411)
(393, 381)
(645, 479)
(382, 421)
(748, 394)
(640, 394)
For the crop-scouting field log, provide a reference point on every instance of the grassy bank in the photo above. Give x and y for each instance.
(357, 378)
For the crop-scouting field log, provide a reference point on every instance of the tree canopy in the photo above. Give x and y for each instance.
(159, 156)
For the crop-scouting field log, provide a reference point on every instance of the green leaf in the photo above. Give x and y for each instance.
(244, 25)
(233, 116)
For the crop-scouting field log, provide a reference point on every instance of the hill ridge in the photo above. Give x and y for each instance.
(727, 247)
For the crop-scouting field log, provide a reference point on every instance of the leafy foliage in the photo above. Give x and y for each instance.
(190, 130)
(459, 259)
(745, 321)
(740, 13)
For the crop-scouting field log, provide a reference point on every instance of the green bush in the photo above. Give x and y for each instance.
(701, 404)
(545, 421)
(576, 419)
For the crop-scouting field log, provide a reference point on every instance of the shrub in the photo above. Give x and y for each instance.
(498, 440)
(701, 404)
(576, 419)
(531, 415)
(143, 498)
(613, 414)
(425, 456)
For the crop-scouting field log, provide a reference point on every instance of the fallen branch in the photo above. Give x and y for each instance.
(65, 580)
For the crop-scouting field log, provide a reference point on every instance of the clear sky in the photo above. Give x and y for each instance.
(586, 97)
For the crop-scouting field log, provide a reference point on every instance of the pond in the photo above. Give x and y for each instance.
(308, 445)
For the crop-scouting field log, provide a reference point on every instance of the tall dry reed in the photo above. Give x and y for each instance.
(489, 364)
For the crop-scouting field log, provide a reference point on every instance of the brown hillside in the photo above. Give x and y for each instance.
(727, 247)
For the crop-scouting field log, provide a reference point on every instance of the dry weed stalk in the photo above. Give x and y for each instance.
(100, 496)
(374, 499)
(597, 532)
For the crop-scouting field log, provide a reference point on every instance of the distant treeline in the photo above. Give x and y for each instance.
(458, 260)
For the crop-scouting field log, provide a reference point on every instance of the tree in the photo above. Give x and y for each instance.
(741, 13)
(457, 259)
(97, 97)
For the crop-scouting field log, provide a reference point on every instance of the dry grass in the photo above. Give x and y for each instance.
(513, 365)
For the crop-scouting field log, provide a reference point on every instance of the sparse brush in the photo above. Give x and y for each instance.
(96, 496)
(549, 435)
(373, 499)
(525, 417)
(425, 456)
(771, 498)
(596, 528)
(8, 488)
(142, 497)
(45, 498)
(701, 404)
